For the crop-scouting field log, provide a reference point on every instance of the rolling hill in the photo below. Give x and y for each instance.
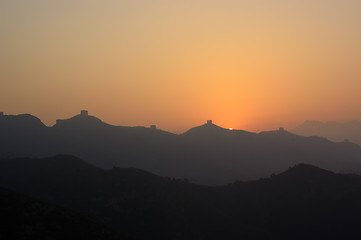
(206, 154)
(302, 202)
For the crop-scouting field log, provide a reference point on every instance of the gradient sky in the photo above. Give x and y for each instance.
(254, 65)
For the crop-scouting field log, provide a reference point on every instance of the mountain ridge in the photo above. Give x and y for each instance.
(206, 154)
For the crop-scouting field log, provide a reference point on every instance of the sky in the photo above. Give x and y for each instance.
(252, 64)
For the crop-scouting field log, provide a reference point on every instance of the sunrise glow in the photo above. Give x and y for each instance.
(172, 62)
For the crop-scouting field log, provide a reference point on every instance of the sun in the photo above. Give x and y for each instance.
(230, 129)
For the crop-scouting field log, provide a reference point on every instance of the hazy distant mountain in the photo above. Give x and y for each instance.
(304, 202)
(334, 131)
(25, 218)
(206, 154)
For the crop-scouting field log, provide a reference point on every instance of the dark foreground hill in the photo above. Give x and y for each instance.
(304, 202)
(206, 154)
(23, 218)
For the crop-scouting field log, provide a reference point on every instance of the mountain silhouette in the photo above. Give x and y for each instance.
(206, 154)
(212, 131)
(305, 172)
(81, 121)
(208, 128)
(349, 131)
(22, 122)
(301, 202)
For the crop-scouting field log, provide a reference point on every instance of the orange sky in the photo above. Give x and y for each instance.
(254, 65)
